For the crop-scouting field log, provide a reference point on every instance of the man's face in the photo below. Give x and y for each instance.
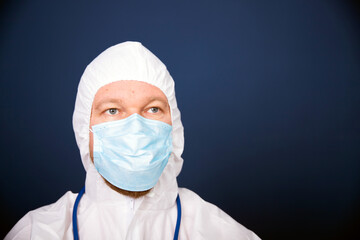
(119, 100)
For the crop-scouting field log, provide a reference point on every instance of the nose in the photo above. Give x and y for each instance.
(132, 111)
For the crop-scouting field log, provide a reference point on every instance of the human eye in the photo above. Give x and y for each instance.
(153, 110)
(112, 111)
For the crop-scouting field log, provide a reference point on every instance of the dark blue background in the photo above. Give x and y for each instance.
(269, 94)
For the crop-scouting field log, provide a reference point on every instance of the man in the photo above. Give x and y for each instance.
(128, 129)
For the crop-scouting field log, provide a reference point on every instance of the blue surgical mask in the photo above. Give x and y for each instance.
(131, 153)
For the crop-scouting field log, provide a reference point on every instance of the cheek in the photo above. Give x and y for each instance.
(168, 119)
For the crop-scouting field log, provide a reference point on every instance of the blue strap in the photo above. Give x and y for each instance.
(74, 216)
(176, 234)
(81, 193)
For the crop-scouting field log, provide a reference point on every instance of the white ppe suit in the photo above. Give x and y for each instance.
(104, 213)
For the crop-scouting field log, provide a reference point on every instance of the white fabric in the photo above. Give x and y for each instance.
(106, 214)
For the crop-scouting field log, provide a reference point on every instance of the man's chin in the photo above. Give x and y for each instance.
(127, 193)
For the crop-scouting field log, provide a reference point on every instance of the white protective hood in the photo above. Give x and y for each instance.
(127, 61)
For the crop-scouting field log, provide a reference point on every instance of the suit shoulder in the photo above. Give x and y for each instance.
(24, 227)
(205, 219)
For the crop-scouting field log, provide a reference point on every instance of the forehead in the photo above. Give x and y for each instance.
(128, 90)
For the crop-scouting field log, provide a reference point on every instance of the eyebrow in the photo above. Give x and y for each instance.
(106, 101)
(110, 100)
(153, 99)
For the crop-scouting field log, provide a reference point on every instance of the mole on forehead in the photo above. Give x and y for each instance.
(132, 89)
